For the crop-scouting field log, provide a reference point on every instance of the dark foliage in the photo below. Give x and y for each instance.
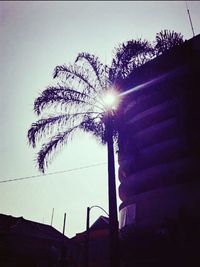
(166, 40)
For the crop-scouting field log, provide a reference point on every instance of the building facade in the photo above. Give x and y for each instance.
(159, 153)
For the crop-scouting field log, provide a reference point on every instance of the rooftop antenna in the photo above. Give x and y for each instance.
(52, 216)
(190, 18)
(64, 223)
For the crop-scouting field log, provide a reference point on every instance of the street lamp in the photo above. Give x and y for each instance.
(88, 232)
(111, 100)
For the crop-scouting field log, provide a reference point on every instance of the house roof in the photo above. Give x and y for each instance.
(21, 226)
(101, 223)
(99, 226)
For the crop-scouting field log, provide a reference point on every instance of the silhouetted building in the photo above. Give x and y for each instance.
(32, 244)
(98, 243)
(159, 158)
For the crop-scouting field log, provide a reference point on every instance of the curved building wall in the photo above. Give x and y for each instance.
(159, 150)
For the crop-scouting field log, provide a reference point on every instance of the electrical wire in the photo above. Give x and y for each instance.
(51, 173)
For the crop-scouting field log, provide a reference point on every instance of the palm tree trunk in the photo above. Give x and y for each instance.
(113, 221)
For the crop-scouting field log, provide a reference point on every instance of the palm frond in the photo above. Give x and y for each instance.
(128, 56)
(166, 40)
(62, 96)
(41, 127)
(97, 67)
(95, 126)
(48, 126)
(58, 141)
(75, 74)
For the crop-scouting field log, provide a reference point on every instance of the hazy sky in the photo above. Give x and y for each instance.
(35, 37)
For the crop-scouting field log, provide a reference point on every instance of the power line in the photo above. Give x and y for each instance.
(51, 173)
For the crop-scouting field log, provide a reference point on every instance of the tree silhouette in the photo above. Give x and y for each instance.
(166, 40)
(77, 101)
(129, 56)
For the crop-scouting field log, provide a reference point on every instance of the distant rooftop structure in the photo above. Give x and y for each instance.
(19, 225)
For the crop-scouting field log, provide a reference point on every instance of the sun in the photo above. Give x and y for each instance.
(110, 100)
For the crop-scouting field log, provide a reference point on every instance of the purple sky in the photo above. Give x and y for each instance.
(35, 37)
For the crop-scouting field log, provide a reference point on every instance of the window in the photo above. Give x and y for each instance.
(127, 215)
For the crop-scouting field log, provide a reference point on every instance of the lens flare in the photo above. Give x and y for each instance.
(110, 100)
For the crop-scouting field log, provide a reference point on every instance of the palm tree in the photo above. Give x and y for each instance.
(77, 101)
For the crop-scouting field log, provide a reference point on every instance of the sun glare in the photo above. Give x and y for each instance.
(110, 100)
